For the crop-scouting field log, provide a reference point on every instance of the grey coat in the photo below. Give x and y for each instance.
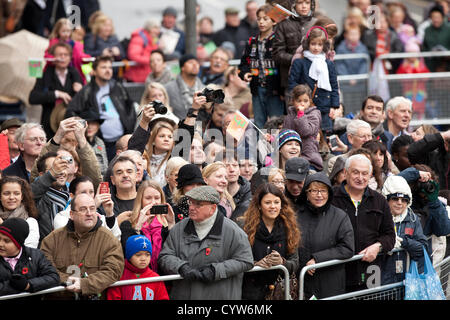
(226, 247)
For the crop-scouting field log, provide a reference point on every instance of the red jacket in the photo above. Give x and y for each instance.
(139, 49)
(144, 291)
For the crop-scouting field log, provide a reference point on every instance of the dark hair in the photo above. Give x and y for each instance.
(300, 90)
(100, 59)
(313, 34)
(424, 167)
(264, 8)
(374, 98)
(436, 8)
(274, 123)
(328, 24)
(118, 159)
(75, 182)
(27, 195)
(160, 52)
(60, 45)
(400, 142)
(374, 146)
(40, 164)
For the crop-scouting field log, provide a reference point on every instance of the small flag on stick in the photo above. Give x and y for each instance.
(238, 125)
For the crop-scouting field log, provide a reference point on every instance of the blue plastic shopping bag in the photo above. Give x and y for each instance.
(426, 286)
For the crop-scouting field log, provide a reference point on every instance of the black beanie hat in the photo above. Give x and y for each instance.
(16, 229)
(186, 57)
(188, 175)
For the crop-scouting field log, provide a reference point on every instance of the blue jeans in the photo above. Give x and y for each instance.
(266, 106)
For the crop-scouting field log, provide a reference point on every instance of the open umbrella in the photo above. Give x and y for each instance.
(15, 51)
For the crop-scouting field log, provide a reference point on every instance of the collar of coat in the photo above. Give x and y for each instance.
(216, 229)
(71, 227)
(345, 193)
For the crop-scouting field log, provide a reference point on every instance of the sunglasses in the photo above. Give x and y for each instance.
(404, 200)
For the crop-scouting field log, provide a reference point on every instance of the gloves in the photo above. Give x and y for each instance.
(208, 273)
(18, 282)
(204, 274)
(398, 242)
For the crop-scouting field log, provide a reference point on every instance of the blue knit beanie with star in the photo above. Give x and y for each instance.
(135, 244)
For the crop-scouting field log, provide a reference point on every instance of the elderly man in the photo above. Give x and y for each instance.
(88, 257)
(208, 250)
(30, 138)
(358, 132)
(9, 127)
(371, 220)
(215, 73)
(372, 112)
(398, 115)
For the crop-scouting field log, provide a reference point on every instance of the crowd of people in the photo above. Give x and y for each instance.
(106, 188)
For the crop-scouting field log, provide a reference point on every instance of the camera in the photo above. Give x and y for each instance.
(159, 209)
(428, 187)
(83, 122)
(216, 96)
(67, 158)
(159, 107)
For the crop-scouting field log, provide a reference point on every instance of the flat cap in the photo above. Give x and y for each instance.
(12, 122)
(231, 10)
(204, 193)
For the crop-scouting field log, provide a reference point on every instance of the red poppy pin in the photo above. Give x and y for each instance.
(25, 270)
(208, 251)
(180, 216)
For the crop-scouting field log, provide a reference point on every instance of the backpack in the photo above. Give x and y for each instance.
(126, 41)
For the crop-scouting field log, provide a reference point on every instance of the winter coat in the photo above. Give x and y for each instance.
(94, 45)
(256, 284)
(307, 127)
(18, 169)
(32, 263)
(242, 198)
(179, 103)
(49, 201)
(139, 49)
(236, 35)
(327, 234)
(351, 66)
(431, 151)
(323, 99)
(410, 230)
(144, 291)
(288, 36)
(250, 63)
(433, 39)
(43, 93)
(98, 145)
(226, 248)
(85, 100)
(97, 253)
(371, 222)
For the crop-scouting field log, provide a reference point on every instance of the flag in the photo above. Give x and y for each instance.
(279, 13)
(35, 68)
(238, 125)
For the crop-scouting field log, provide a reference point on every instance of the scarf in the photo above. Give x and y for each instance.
(203, 227)
(266, 241)
(19, 212)
(319, 69)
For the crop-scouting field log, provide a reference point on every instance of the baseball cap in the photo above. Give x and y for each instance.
(296, 169)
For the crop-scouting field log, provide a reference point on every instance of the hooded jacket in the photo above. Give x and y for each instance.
(97, 253)
(327, 234)
(242, 198)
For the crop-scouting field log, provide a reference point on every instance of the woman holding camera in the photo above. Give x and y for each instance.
(157, 92)
(153, 223)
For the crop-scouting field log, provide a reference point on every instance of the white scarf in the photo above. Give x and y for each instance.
(203, 227)
(319, 69)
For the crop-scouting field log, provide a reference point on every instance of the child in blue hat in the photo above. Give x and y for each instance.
(138, 252)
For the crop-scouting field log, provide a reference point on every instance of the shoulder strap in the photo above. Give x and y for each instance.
(144, 37)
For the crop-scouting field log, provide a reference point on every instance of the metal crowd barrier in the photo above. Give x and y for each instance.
(334, 262)
(148, 280)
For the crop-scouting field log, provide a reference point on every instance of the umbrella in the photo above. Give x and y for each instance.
(15, 50)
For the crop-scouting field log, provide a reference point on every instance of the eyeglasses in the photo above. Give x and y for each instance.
(35, 139)
(316, 192)
(85, 210)
(395, 199)
(197, 204)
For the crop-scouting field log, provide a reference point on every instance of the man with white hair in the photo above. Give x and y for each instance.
(358, 132)
(398, 115)
(371, 219)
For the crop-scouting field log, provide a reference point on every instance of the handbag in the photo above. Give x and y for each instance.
(426, 286)
(277, 290)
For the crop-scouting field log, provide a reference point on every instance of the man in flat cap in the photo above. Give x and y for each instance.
(12, 125)
(208, 250)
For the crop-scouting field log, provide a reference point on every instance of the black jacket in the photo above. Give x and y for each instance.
(85, 100)
(327, 234)
(242, 198)
(40, 273)
(236, 35)
(250, 61)
(18, 169)
(372, 222)
(431, 151)
(44, 93)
